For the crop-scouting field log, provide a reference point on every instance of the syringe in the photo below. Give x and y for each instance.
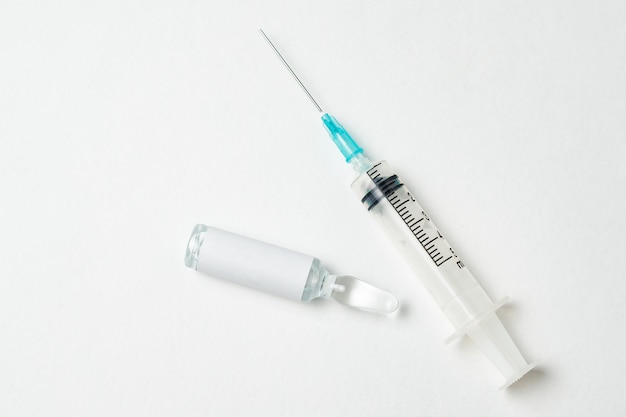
(437, 265)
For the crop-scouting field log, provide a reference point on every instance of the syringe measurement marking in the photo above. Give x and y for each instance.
(427, 241)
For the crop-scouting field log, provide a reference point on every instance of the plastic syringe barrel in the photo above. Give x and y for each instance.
(405, 222)
(438, 266)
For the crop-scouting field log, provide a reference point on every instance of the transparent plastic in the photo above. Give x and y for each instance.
(348, 147)
(438, 266)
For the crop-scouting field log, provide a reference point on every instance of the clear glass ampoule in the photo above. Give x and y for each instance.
(277, 270)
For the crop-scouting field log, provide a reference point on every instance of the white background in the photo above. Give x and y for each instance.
(123, 124)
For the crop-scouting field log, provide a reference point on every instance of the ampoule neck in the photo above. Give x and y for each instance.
(319, 283)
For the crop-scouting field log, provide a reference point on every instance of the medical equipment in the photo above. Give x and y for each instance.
(278, 271)
(437, 265)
